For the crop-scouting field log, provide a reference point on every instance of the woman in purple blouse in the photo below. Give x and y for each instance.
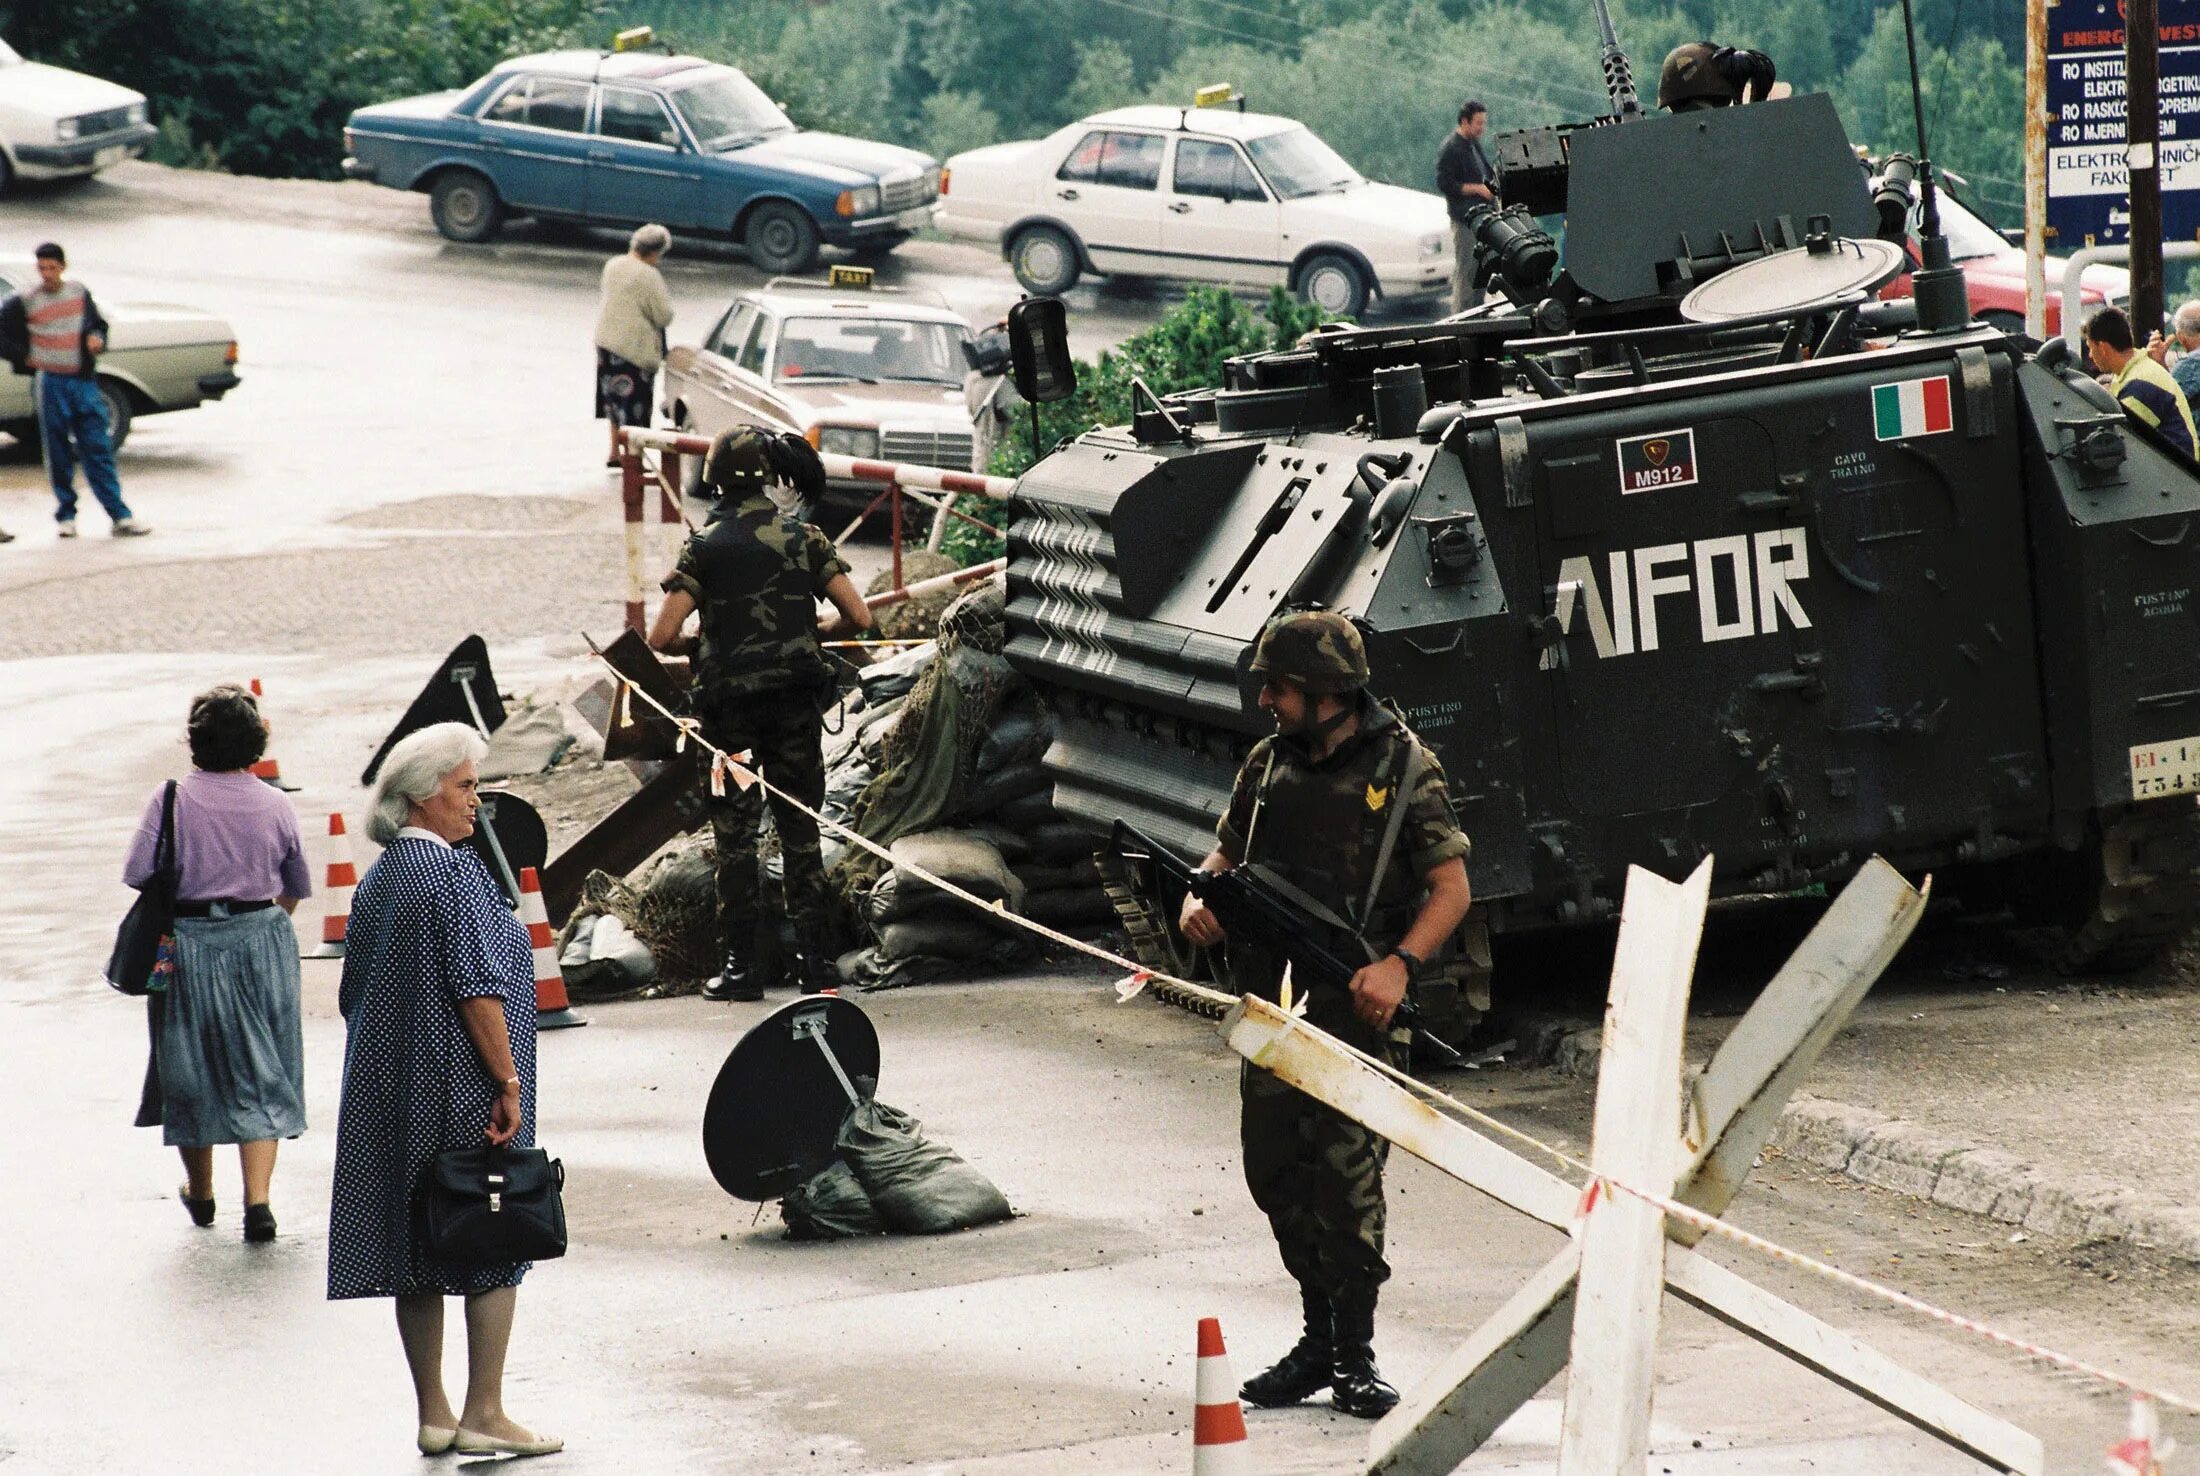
(228, 1050)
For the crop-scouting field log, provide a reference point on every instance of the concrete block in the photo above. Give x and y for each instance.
(1903, 1157)
(1986, 1181)
(2171, 1230)
(2072, 1210)
(1825, 1133)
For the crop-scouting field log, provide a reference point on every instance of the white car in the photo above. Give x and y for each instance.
(55, 123)
(1201, 194)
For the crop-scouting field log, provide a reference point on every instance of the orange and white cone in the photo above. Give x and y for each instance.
(553, 1011)
(341, 876)
(267, 768)
(1219, 1447)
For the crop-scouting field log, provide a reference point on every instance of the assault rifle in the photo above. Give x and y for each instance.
(1258, 907)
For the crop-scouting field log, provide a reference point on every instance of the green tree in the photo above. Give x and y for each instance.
(950, 122)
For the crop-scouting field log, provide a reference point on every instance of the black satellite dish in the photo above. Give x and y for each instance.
(509, 837)
(461, 691)
(783, 1093)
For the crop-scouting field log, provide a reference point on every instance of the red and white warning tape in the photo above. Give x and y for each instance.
(1595, 1186)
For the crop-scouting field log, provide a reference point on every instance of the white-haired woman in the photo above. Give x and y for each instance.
(634, 311)
(439, 1000)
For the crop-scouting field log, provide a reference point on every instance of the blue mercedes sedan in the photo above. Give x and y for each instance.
(623, 138)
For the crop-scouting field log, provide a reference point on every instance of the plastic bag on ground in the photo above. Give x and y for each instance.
(830, 1205)
(613, 943)
(918, 1186)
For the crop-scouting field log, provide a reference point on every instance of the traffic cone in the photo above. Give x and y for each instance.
(553, 1011)
(267, 768)
(1218, 1423)
(341, 878)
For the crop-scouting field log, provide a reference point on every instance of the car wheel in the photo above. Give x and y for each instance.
(119, 412)
(465, 207)
(1333, 284)
(781, 238)
(1045, 261)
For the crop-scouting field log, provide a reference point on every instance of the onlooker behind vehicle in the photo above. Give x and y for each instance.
(438, 1000)
(228, 1049)
(1465, 178)
(55, 332)
(635, 310)
(2185, 337)
(2146, 390)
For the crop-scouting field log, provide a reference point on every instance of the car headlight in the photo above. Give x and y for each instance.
(863, 201)
(67, 129)
(935, 182)
(1432, 245)
(847, 440)
(137, 112)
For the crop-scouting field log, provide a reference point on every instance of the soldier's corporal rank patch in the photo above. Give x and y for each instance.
(1915, 407)
(1651, 463)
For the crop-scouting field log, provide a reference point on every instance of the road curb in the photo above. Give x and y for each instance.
(1902, 1156)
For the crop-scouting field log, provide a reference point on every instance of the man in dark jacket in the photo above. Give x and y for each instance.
(1467, 182)
(55, 332)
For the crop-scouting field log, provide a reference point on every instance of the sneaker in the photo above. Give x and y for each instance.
(66, 528)
(130, 528)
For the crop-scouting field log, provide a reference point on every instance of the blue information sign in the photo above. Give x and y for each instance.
(2088, 178)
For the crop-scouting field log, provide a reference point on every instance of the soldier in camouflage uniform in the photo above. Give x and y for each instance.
(1345, 804)
(761, 681)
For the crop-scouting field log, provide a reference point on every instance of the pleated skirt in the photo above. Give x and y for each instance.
(232, 1049)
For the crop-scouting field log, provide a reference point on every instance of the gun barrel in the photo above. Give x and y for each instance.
(1619, 76)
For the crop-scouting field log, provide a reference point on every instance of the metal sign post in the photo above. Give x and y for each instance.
(2035, 169)
(1593, 1304)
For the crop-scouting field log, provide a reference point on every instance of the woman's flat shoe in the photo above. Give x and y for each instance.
(435, 1439)
(202, 1210)
(470, 1443)
(259, 1223)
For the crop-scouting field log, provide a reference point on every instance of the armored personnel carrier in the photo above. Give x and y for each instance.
(1689, 547)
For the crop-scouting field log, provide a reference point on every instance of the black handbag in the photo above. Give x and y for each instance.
(153, 916)
(485, 1205)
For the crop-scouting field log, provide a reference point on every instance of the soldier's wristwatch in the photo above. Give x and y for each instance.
(1412, 961)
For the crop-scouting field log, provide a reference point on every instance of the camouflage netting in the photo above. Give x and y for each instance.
(938, 761)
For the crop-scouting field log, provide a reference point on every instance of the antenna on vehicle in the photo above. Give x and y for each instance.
(1619, 75)
(1943, 301)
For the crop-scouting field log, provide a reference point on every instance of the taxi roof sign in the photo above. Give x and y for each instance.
(633, 38)
(849, 276)
(1215, 94)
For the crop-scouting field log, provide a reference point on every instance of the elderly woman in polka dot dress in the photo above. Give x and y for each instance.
(439, 998)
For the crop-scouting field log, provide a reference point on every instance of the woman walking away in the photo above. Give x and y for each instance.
(228, 1061)
(439, 999)
(635, 310)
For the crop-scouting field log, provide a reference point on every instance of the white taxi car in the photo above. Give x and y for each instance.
(1197, 193)
(858, 371)
(55, 123)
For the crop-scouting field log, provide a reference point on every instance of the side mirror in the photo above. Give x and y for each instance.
(988, 353)
(1038, 346)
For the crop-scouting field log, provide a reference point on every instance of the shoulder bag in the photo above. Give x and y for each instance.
(152, 918)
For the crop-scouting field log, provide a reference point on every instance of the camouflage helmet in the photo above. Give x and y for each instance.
(1317, 651)
(738, 462)
(1691, 78)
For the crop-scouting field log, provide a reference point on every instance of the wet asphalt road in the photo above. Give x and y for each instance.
(409, 459)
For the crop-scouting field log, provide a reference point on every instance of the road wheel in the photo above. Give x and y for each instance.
(465, 207)
(1045, 261)
(1336, 286)
(781, 238)
(119, 411)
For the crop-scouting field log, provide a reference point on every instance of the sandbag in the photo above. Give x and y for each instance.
(613, 944)
(1059, 842)
(1069, 907)
(957, 934)
(896, 674)
(965, 860)
(918, 1186)
(830, 1205)
(1018, 736)
(988, 793)
(1039, 876)
(1028, 811)
(1010, 843)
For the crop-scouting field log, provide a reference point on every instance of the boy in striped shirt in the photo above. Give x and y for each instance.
(2147, 391)
(55, 331)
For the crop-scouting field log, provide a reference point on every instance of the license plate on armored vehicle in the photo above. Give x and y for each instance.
(2159, 769)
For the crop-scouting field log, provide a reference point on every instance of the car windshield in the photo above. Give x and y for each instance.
(869, 350)
(726, 108)
(1297, 163)
(1968, 236)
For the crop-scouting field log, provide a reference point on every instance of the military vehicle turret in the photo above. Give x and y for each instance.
(1689, 547)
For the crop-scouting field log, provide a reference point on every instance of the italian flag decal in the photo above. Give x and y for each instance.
(1915, 407)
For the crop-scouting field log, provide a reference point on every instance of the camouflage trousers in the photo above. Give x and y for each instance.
(1317, 1174)
(780, 731)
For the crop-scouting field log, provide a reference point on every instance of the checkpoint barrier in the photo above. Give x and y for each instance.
(931, 486)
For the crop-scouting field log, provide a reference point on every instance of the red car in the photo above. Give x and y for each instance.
(1994, 270)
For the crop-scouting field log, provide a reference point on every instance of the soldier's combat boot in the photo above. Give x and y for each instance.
(1304, 1371)
(1355, 1388)
(814, 962)
(738, 981)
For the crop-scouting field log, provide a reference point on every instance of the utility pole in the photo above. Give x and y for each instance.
(2035, 169)
(2143, 114)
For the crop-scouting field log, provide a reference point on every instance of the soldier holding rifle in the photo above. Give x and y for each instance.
(1347, 806)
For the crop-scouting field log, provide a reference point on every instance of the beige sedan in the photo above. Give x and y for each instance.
(159, 357)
